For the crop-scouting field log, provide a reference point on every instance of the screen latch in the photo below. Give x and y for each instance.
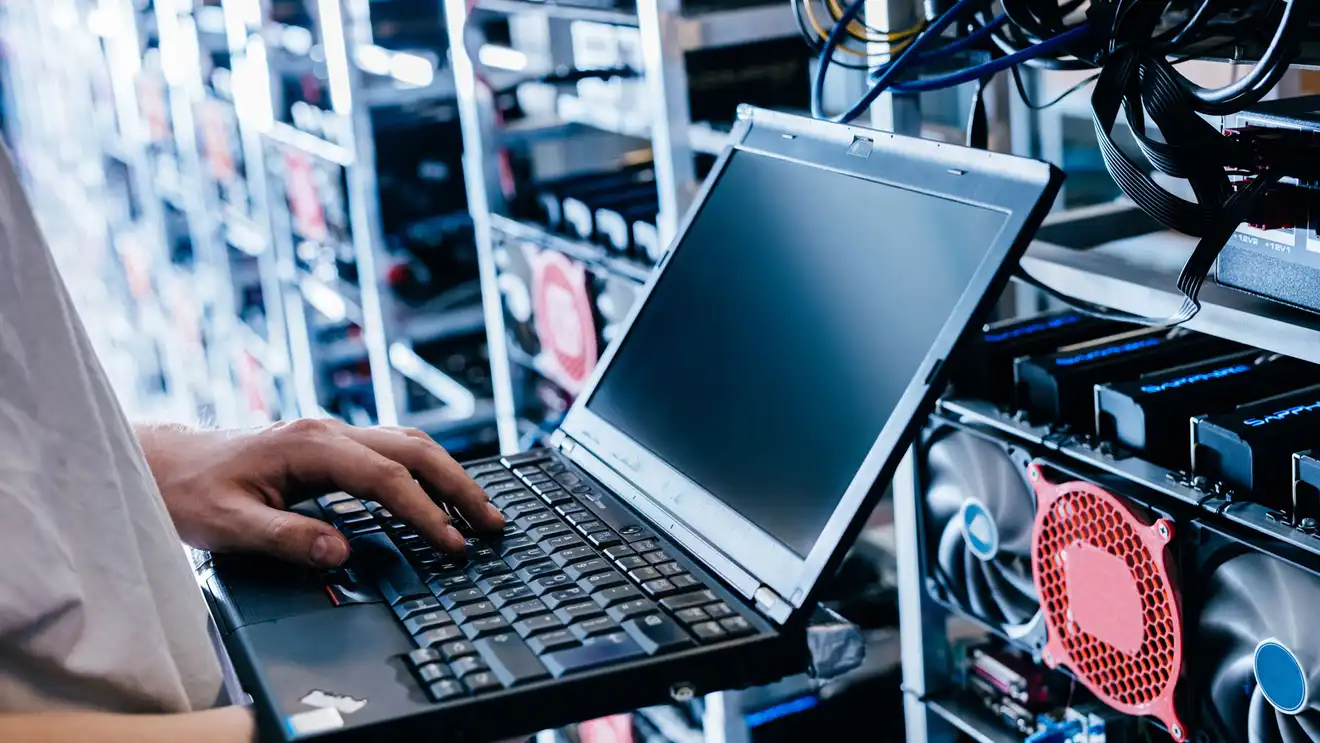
(772, 604)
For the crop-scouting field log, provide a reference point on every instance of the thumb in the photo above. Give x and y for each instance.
(291, 537)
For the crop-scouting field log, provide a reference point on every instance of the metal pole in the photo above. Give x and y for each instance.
(900, 114)
(659, 23)
(481, 175)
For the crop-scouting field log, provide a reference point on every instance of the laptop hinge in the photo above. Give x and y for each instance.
(772, 604)
(561, 441)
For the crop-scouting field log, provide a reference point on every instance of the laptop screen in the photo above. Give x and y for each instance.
(789, 322)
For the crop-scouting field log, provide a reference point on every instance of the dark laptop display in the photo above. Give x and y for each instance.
(762, 370)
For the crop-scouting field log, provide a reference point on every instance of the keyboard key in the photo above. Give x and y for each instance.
(433, 672)
(561, 543)
(529, 514)
(631, 562)
(526, 470)
(455, 599)
(486, 569)
(591, 527)
(419, 606)
(535, 456)
(579, 517)
(551, 641)
(615, 553)
(595, 652)
(578, 612)
(616, 595)
(513, 544)
(438, 636)
(326, 501)
(670, 569)
(503, 487)
(524, 609)
(481, 554)
(553, 495)
(657, 633)
(516, 499)
(547, 531)
(496, 582)
(443, 584)
(468, 665)
(376, 556)
(719, 611)
(512, 662)
(485, 627)
(539, 570)
(492, 478)
(547, 583)
(630, 609)
(556, 599)
(692, 615)
(683, 601)
(570, 480)
(537, 625)
(645, 545)
(591, 627)
(421, 657)
(658, 589)
(601, 581)
(573, 554)
(554, 468)
(429, 620)
(635, 532)
(579, 570)
(656, 557)
(348, 523)
(737, 626)
(708, 631)
(642, 575)
(544, 488)
(457, 649)
(603, 539)
(519, 560)
(442, 691)
(685, 582)
(349, 507)
(477, 470)
(465, 614)
(506, 596)
(571, 508)
(537, 478)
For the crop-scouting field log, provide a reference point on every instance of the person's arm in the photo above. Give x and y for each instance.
(225, 725)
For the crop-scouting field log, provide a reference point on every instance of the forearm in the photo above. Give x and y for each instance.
(225, 725)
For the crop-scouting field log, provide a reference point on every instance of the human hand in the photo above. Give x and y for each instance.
(227, 490)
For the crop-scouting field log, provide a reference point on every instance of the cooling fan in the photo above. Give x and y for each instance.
(979, 501)
(1111, 611)
(1257, 633)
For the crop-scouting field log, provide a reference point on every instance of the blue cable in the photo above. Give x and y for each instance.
(973, 74)
(891, 70)
(965, 42)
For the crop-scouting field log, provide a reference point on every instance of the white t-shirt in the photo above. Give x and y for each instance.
(98, 606)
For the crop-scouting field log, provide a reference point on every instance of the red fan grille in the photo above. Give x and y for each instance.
(1110, 607)
(564, 320)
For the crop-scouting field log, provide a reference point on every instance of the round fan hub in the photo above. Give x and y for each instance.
(1108, 600)
(979, 530)
(1280, 676)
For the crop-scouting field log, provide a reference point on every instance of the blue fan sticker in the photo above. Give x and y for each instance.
(1281, 677)
(979, 530)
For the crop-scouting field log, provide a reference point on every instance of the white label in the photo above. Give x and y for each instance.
(313, 722)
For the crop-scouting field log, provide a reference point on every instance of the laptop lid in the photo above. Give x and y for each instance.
(782, 357)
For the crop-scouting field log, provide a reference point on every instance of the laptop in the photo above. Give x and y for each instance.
(715, 469)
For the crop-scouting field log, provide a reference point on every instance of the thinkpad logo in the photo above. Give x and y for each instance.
(325, 700)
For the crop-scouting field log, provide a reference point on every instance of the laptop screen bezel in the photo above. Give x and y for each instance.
(748, 557)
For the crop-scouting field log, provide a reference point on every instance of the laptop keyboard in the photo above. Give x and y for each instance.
(569, 587)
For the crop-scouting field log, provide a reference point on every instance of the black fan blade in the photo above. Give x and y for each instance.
(1018, 573)
(1289, 730)
(1230, 691)
(1013, 605)
(950, 561)
(963, 466)
(1263, 727)
(1310, 724)
(979, 599)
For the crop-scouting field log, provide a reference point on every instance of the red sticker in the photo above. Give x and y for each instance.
(612, 729)
(304, 200)
(563, 318)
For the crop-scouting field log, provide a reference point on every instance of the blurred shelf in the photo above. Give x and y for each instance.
(702, 137)
(698, 30)
(424, 327)
(586, 252)
(243, 233)
(972, 719)
(335, 299)
(441, 422)
(297, 139)
(1139, 274)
